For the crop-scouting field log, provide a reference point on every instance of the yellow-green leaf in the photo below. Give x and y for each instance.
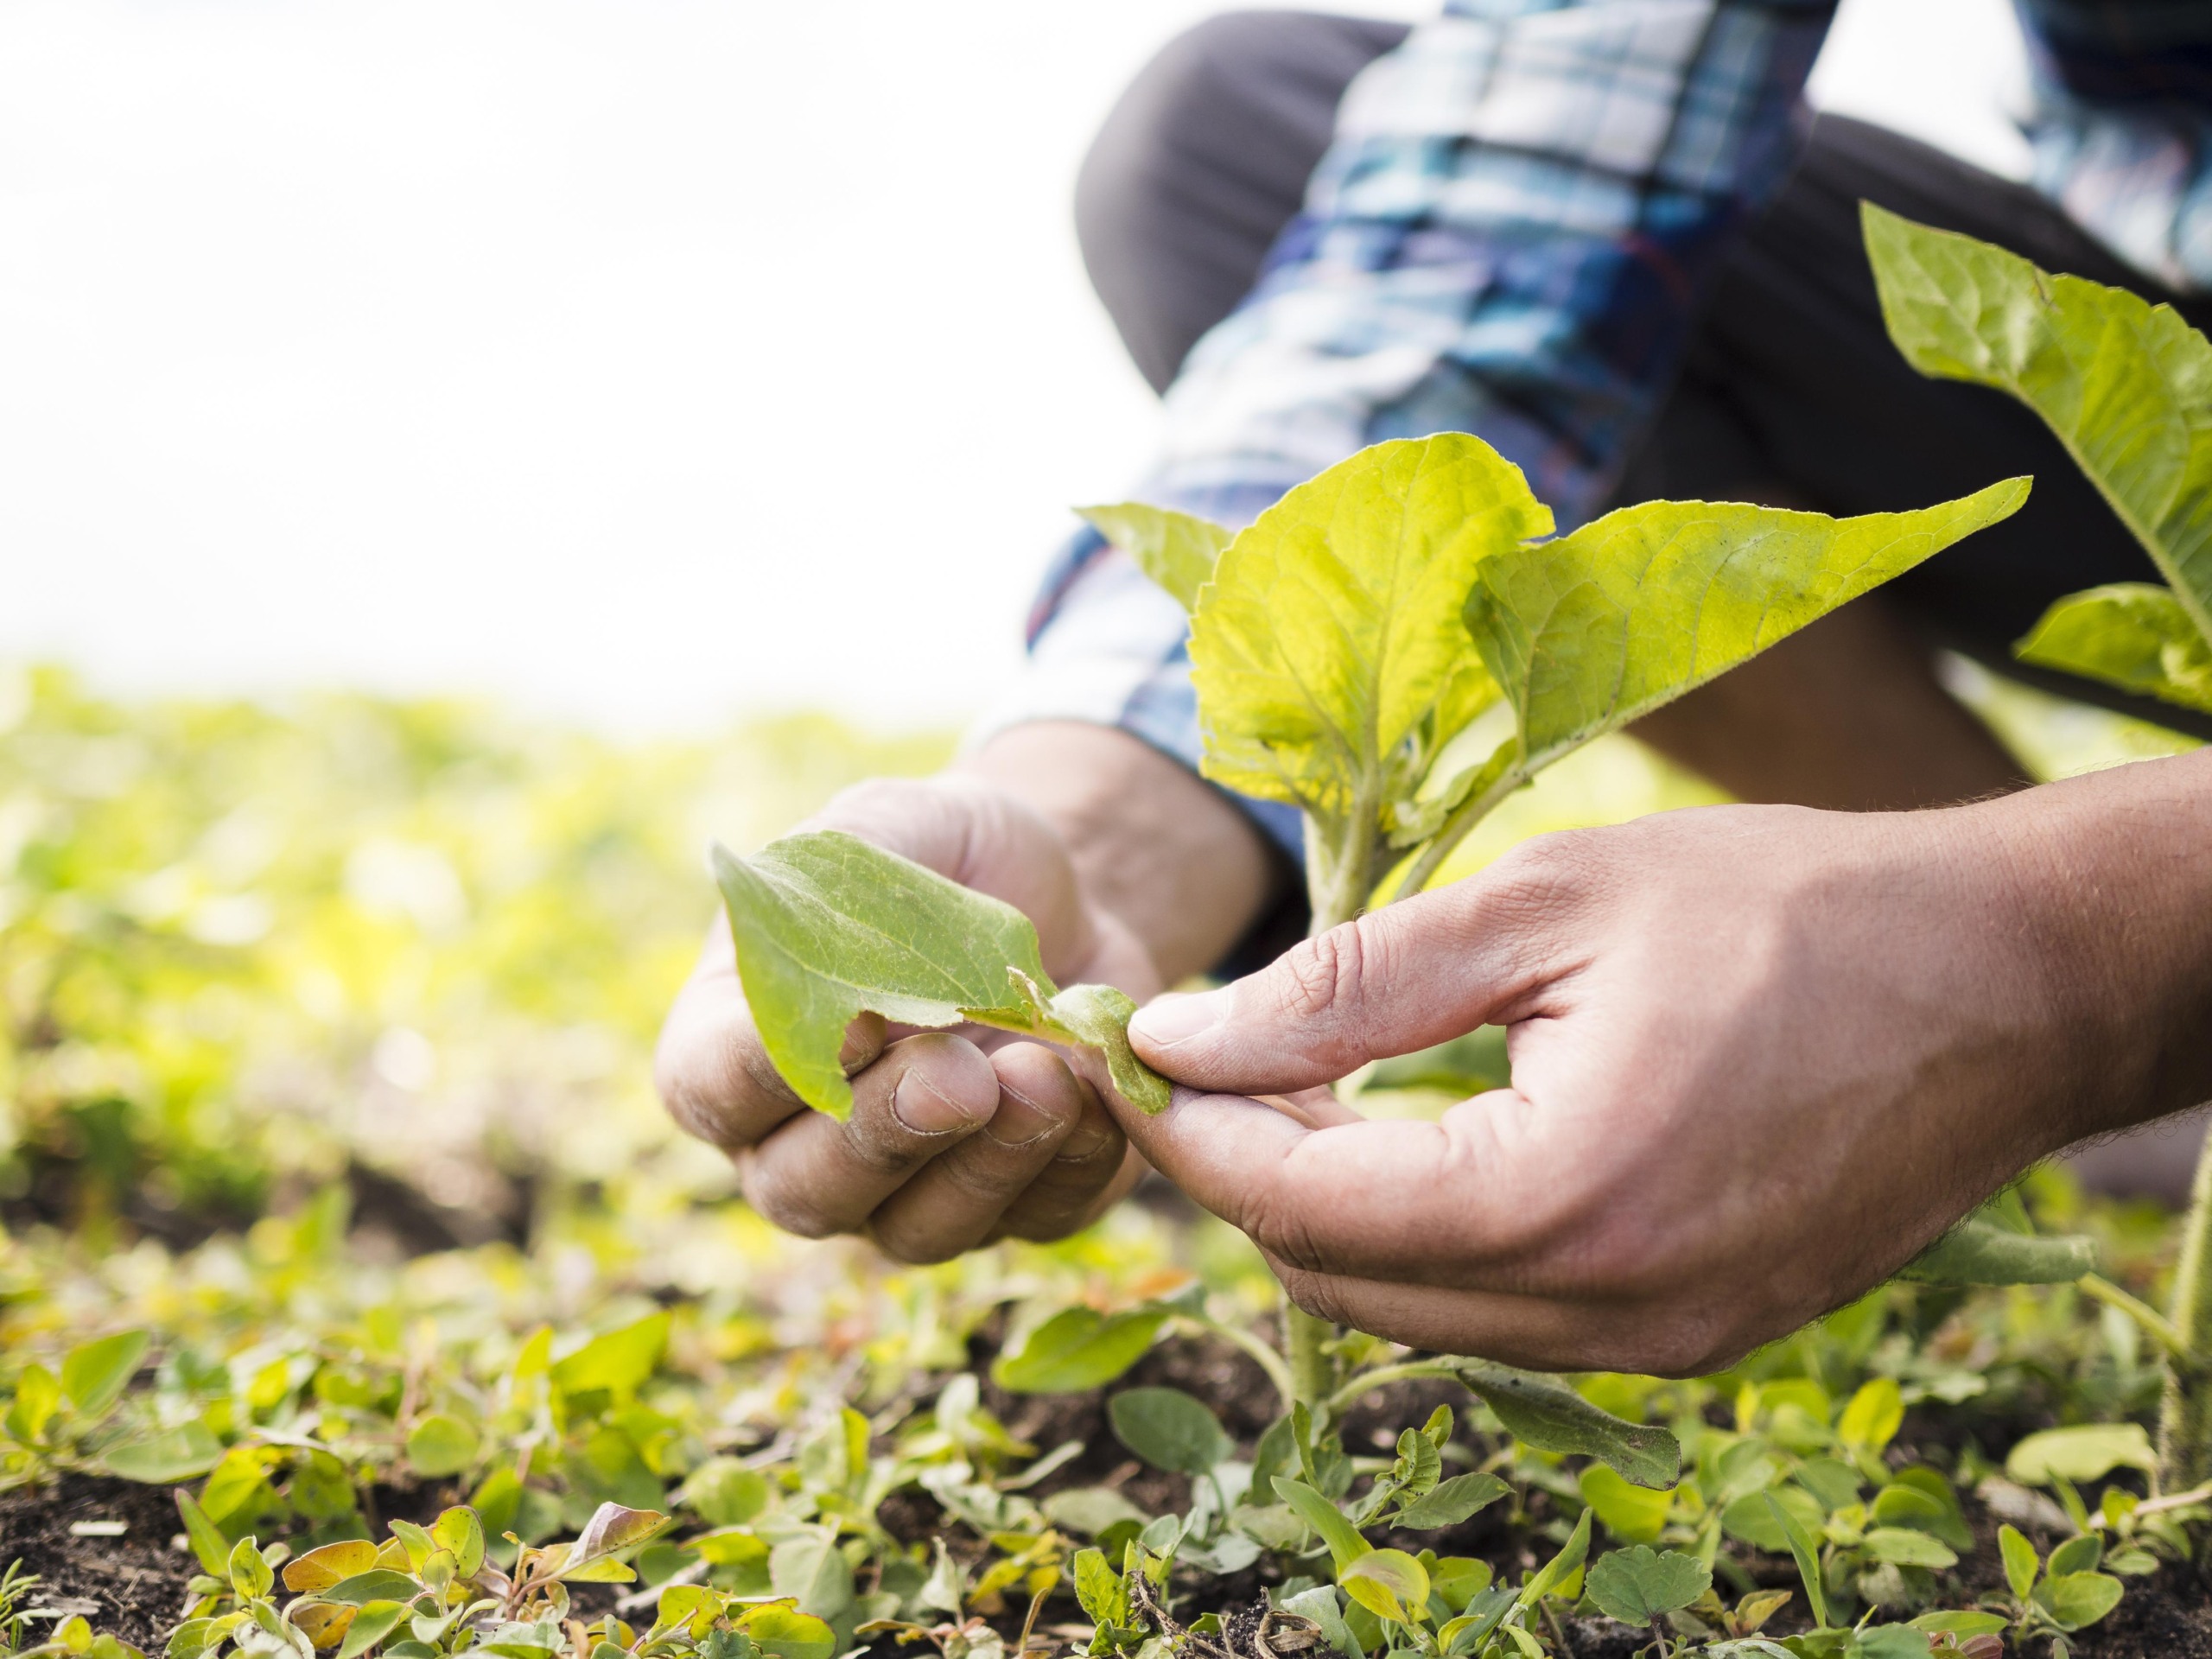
(617, 1361)
(829, 927)
(2080, 1453)
(1544, 1413)
(1388, 1583)
(1591, 630)
(1332, 629)
(94, 1374)
(1639, 1585)
(2135, 635)
(1078, 1349)
(2125, 386)
(1870, 1421)
(1634, 1515)
(1174, 549)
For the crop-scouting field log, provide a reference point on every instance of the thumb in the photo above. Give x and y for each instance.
(1401, 978)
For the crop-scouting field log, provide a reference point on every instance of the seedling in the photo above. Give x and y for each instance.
(2126, 386)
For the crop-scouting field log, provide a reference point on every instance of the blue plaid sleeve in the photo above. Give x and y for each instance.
(1509, 236)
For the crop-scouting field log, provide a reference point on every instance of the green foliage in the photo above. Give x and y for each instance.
(2125, 384)
(1175, 549)
(1639, 1586)
(2130, 634)
(829, 927)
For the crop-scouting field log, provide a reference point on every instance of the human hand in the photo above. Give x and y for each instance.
(956, 1138)
(1761, 1057)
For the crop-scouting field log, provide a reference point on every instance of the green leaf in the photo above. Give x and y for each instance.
(814, 1570)
(1345, 1545)
(611, 1526)
(378, 1584)
(1959, 1624)
(1891, 1642)
(2079, 1599)
(249, 1574)
(1331, 634)
(1098, 1587)
(460, 1532)
(1175, 549)
(376, 1620)
(616, 1362)
(829, 927)
(209, 1546)
(1906, 1547)
(2084, 1554)
(320, 1568)
(1748, 1519)
(1587, 632)
(2125, 384)
(1870, 1421)
(1545, 1414)
(1555, 1573)
(1978, 1252)
(1467, 1065)
(1450, 1502)
(38, 1396)
(159, 1460)
(94, 1374)
(1097, 1016)
(1169, 1429)
(1639, 1585)
(1388, 1583)
(1634, 1515)
(2021, 1561)
(723, 1493)
(2130, 634)
(1077, 1350)
(2083, 1453)
(439, 1444)
(1807, 1557)
(784, 1634)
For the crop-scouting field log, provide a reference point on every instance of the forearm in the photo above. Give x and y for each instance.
(2117, 867)
(1158, 848)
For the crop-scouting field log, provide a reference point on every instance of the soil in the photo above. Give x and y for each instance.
(133, 1583)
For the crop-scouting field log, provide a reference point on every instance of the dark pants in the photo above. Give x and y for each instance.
(1789, 390)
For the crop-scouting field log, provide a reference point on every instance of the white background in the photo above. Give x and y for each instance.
(640, 361)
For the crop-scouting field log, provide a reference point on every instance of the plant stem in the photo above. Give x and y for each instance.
(1340, 871)
(2186, 1418)
(2157, 1325)
(1265, 1357)
(1313, 1367)
(1383, 1376)
(1470, 812)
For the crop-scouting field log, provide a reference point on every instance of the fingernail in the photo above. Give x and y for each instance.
(917, 1104)
(1083, 1151)
(1168, 1020)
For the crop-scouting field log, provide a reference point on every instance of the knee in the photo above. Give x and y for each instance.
(1159, 119)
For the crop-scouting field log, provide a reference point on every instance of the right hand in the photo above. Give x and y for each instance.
(956, 1138)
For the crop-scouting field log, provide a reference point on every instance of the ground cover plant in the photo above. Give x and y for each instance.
(279, 1411)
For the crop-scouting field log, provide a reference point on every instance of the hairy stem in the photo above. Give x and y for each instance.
(1383, 1376)
(1341, 866)
(2185, 1420)
(1278, 1372)
(2155, 1325)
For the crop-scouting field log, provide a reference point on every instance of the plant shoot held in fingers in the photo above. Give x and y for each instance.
(1393, 648)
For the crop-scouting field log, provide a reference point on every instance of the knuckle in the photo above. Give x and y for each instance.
(1317, 1295)
(1323, 976)
(784, 1205)
(1283, 1230)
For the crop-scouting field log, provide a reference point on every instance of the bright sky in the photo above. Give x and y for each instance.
(643, 361)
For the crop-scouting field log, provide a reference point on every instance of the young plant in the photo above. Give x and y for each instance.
(1393, 648)
(2126, 386)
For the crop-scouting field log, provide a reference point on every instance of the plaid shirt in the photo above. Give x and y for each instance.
(1509, 236)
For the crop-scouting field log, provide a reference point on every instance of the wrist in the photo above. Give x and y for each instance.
(1154, 846)
(2106, 886)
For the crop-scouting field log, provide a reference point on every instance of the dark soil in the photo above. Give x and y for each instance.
(134, 1582)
